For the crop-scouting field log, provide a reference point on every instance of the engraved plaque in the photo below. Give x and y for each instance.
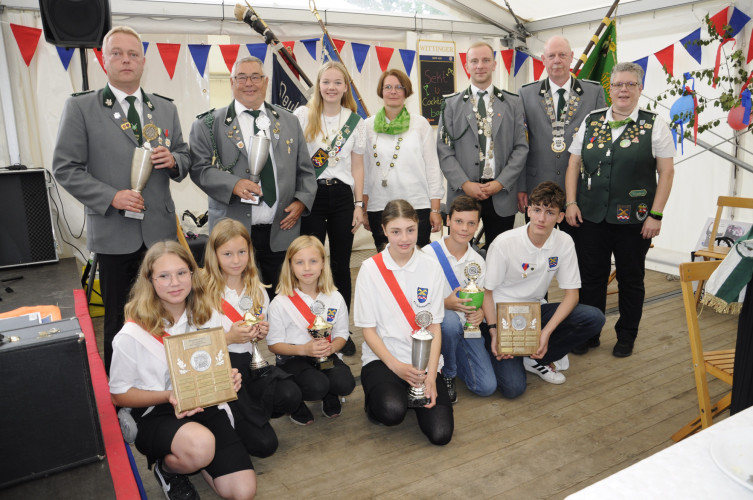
(199, 369)
(518, 327)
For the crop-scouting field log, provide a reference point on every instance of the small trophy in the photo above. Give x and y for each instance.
(141, 169)
(320, 329)
(258, 364)
(476, 294)
(420, 353)
(258, 152)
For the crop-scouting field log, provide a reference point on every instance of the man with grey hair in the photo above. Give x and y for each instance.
(220, 140)
(99, 131)
(614, 197)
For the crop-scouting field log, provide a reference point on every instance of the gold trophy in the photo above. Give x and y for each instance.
(320, 329)
(258, 365)
(476, 294)
(141, 169)
(420, 353)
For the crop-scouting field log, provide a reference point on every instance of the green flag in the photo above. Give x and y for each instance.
(598, 66)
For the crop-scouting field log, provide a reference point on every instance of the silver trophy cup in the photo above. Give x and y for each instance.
(258, 152)
(321, 329)
(420, 353)
(258, 365)
(141, 169)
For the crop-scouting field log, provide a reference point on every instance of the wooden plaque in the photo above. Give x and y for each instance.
(199, 368)
(518, 328)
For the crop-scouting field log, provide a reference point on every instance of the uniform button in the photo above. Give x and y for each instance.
(476, 146)
(248, 215)
(558, 172)
(476, 163)
(248, 171)
(558, 157)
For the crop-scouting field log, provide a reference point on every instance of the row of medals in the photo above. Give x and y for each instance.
(603, 134)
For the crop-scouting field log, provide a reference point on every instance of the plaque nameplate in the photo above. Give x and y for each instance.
(518, 328)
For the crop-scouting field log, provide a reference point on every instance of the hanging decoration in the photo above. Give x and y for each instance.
(230, 54)
(199, 54)
(27, 39)
(408, 56)
(169, 53)
(384, 54)
(360, 51)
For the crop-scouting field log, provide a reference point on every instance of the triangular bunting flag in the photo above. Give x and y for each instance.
(666, 58)
(258, 50)
(199, 53)
(310, 44)
(643, 63)
(463, 58)
(737, 21)
(691, 45)
(65, 55)
(384, 54)
(27, 39)
(169, 53)
(146, 46)
(538, 68)
(720, 19)
(750, 49)
(339, 44)
(360, 51)
(98, 55)
(507, 58)
(520, 58)
(408, 56)
(230, 54)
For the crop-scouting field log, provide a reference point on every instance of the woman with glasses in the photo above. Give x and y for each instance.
(402, 161)
(614, 197)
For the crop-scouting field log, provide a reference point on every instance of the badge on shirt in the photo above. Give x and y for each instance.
(623, 212)
(642, 212)
(422, 294)
(331, 312)
(553, 261)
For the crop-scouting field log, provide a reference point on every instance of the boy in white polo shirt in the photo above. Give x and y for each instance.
(520, 266)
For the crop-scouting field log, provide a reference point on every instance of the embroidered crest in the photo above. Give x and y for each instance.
(623, 212)
(319, 158)
(422, 294)
(637, 193)
(553, 262)
(331, 314)
(642, 212)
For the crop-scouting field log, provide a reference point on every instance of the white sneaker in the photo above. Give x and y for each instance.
(548, 373)
(562, 364)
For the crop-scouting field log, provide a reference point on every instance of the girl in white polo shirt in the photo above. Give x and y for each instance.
(387, 372)
(305, 279)
(168, 299)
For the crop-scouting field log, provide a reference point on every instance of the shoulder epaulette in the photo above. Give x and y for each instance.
(447, 96)
(76, 94)
(205, 113)
(598, 110)
(532, 83)
(509, 93)
(591, 81)
(163, 97)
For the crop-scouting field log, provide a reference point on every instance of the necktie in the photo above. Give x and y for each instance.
(267, 173)
(133, 117)
(620, 123)
(560, 104)
(481, 128)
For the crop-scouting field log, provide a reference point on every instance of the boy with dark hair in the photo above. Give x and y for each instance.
(521, 264)
(463, 357)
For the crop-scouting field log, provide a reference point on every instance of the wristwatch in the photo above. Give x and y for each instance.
(358, 204)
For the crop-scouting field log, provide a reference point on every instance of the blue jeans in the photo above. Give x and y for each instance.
(466, 358)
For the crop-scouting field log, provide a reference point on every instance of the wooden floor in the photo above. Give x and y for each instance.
(548, 443)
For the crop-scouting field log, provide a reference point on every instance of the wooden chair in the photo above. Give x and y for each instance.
(717, 363)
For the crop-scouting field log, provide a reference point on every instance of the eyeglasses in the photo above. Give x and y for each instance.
(627, 85)
(390, 88)
(255, 78)
(165, 279)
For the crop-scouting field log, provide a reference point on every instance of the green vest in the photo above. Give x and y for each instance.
(622, 173)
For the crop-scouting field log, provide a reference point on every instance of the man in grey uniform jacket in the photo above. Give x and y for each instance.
(553, 120)
(482, 143)
(98, 133)
(271, 209)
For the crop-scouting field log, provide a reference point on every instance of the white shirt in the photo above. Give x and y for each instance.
(376, 307)
(416, 176)
(261, 213)
(553, 88)
(356, 143)
(512, 255)
(662, 145)
(233, 298)
(487, 99)
(287, 324)
(458, 268)
(120, 96)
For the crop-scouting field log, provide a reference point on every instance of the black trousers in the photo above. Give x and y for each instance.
(595, 245)
(117, 274)
(742, 383)
(380, 240)
(332, 216)
(316, 383)
(494, 224)
(268, 262)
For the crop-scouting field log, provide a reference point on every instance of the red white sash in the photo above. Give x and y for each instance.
(397, 292)
(304, 310)
(230, 311)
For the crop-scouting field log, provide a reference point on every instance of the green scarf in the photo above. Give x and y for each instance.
(726, 287)
(397, 126)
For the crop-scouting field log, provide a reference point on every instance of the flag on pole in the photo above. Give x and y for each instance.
(285, 91)
(603, 57)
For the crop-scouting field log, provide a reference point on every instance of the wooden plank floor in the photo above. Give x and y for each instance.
(550, 442)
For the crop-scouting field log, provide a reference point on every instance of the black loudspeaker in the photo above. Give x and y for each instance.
(75, 23)
(26, 235)
(49, 420)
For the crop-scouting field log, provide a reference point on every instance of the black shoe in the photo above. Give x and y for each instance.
(175, 486)
(302, 416)
(594, 341)
(349, 348)
(583, 348)
(331, 407)
(622, 349)
(453, 393)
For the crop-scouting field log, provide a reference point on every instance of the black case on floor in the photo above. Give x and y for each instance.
(48, 414)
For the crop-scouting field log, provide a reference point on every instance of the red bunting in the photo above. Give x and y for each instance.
(507, 58)
(169, 53)
(720, 19)
(27, 39)
(750, 49)
(463, 57)
(538, 68)
(718, 58)
(666, 58)
(339, 44)
(230, 54)
(98, 55)
(384, 54)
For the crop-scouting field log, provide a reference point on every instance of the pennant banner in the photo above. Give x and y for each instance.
(310, 44)
(463, 58)
(65, 55)
(27, 40)
(339, 44)
(737, 21)
(146, 46)
(719, 20)
(360, 51)
(507, 59)
(258, 50)
(98, 55)
(666, 58)
(199, 54)
(538, 68)
(169, 53)
(643, 63)
(408, 56)
(230, 54)
(691, 44)
(384, 54)
(520, 58)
